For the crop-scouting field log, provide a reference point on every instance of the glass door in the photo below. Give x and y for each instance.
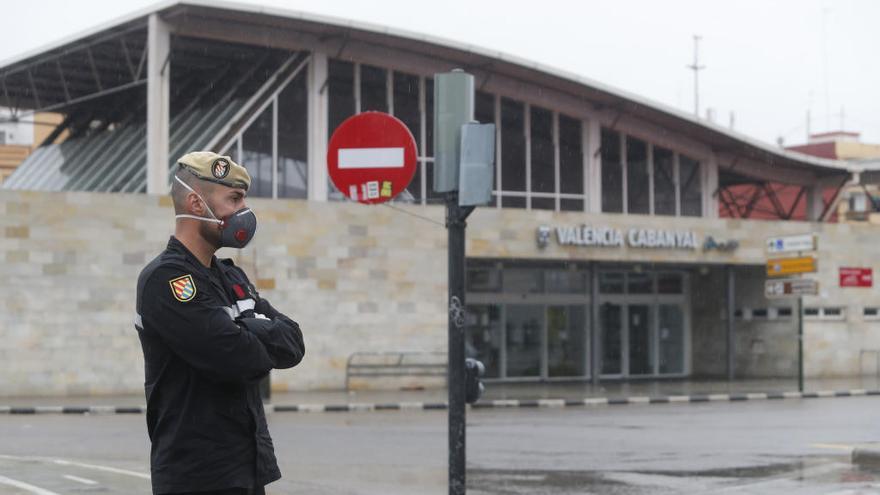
(524, 328)
(567, 348)
(671, 336)
(641, 355)
(611, 338)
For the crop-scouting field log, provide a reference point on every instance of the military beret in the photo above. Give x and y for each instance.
(210, 166)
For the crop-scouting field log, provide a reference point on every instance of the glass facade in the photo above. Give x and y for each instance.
(540, 158)
(641, 178)
(531, 320)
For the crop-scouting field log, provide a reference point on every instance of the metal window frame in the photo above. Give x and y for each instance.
(556, 159)
(423, 136)
(527, 134)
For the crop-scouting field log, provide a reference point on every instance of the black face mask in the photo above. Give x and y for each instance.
(236, 230)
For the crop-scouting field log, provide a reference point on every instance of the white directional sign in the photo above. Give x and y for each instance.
(792, 287)
(791, 243)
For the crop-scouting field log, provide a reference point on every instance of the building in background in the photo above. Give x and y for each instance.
(620, 228)
(18, 138)
(860, 201)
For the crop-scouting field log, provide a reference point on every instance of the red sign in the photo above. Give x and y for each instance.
(371, 157)
(856, 277)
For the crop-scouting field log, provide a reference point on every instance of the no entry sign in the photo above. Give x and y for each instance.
(371, 157)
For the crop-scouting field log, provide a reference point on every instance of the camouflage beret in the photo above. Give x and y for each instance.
(210, 166)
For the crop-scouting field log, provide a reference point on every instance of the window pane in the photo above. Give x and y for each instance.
(512, 202)
(639, 283)
(406, 108)
(523, 281)
(257, 150)
(513, 159)
(571, 162)
(543, 174)
(670, 283)
(340, 88)
(483, 341)
(612, 173)
(374, 92)
(524, 326)
(664, 182)
(429, 116)
(637, 176)
(293, 169)
(566, 281)
(543, 203)
(691, 188)
(483, 279)
(571, 205)
(611, 282)
(232, 151)
(566, 341)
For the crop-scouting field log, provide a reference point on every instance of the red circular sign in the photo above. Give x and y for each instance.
(371, 157)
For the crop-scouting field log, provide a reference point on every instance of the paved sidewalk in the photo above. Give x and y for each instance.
(496, 395)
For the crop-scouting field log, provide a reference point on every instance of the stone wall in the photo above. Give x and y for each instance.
(356, 278)
(366, 279)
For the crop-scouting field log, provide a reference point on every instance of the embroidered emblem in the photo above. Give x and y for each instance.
(220, 169)
(183, 288)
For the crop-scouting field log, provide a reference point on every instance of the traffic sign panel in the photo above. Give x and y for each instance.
(789, 266)
(791, 287)
(856, 277)
(791, 243)
(371, 157)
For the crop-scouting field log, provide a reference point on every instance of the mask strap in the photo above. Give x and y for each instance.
(213, 217)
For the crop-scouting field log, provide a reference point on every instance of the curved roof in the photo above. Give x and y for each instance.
(469, 56)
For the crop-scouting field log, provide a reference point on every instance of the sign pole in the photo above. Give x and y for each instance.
(455, 225)
(800, 307)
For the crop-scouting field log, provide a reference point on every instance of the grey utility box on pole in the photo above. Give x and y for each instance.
(477, 165)
(454, 104)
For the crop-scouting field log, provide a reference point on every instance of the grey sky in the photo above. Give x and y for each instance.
(764, 58)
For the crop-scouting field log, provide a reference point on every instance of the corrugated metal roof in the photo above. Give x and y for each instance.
(115, 160)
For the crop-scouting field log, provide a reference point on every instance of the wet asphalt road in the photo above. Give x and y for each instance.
(791, 446)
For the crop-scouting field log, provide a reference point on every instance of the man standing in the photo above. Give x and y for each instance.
(208, 339)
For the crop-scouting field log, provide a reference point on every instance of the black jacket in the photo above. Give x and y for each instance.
(206, 347)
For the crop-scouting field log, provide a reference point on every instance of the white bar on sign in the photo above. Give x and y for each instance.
(370, 158)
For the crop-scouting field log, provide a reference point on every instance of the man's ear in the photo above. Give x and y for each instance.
(195, 205)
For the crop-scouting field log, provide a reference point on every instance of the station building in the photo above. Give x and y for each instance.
(619, 245)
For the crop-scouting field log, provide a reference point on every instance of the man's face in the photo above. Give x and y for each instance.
(223, 201)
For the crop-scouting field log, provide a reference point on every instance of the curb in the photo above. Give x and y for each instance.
(493, 404)
(866, 457)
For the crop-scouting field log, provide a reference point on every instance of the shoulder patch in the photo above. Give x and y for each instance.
(183, 288)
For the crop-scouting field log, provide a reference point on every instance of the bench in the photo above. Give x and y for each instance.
(394, 364)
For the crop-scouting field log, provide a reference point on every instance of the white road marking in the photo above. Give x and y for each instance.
(24, 486)
(107, 469)
(80, 480)
(832, 446)
(370, 158)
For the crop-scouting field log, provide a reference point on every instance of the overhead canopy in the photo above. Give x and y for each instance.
(85, 70)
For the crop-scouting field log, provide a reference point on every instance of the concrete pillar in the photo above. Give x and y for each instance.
(318, 130)
(158, 107)
(815, 204)
(731, 323)
(710, 187)
(592, 140)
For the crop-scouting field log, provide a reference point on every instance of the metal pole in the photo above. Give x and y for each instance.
(800, 306)
(455, 225)
(731, 314)
(595, 323)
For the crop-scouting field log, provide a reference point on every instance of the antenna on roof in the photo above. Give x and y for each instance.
(696, 67)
